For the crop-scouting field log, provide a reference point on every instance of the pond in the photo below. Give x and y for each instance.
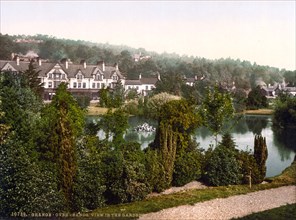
(281, 147)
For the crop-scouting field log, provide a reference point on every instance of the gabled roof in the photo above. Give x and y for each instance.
(71, 71)
(149, 81)
(132, 82)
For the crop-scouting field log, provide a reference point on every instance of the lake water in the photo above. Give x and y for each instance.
(281, 148)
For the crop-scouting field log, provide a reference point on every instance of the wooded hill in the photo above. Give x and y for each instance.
(226, 71)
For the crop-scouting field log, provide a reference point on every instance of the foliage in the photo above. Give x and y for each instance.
(26, 185)
(256, 99)
(33, 80)
(216, 109)
(114, 124)
(90, 183)
(66, 123)
(177, 121)
(131, 94)
(154, 170)
(188, 165)
(131, 107)
(227, 141)
(222, 168)
(112, 98)
(156, 102)
(249, 166)
(125, 169)
(171, 83)
(284, 115)
(83, 101)
(260, 155)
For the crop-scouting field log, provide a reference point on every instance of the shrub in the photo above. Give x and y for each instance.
(222, 168)
(154, 171)
(131, 108)
(260, 155)
(188, 164)
(125, 170)
(248, 164)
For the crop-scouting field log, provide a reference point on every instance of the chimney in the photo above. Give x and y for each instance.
(116, 66)
(140, 76)
(158, 76)
(66, 62)
(17, 60)
(195, 77)
(39, 61)
(83, 62)
(101, 64)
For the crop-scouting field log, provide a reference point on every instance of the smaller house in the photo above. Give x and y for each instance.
(143, 85)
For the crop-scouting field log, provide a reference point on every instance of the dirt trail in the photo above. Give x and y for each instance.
(231, 207)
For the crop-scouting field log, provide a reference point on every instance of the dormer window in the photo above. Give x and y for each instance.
(63, 76)
(99, 77)
(79, 76)
(115, 77)
(50, 75)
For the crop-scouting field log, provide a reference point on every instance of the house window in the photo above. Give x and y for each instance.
(49, 84)
(84, 85)
(98, 85)
(115, 77)
(103, 85)
(79, 76)
(50, 76)
(93, 85)
(79, 85)
(74, 85)
(63, 76)
(147, 87)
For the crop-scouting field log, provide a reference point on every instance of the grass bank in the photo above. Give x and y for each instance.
(280, 213)
(93, 109)
(259, 112)
(154, 204)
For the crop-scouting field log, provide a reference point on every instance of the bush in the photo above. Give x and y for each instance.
(248, 164)
(188, 165)
(154, 171)
(222, 168)
(131, 108)
(126, 174)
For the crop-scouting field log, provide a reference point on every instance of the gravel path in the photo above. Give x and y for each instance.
(231, 207)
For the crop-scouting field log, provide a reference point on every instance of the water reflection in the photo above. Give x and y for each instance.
(256, 124)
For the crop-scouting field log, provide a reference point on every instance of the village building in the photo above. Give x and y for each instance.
(82, 79)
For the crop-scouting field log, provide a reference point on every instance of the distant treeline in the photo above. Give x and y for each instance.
(226, 71)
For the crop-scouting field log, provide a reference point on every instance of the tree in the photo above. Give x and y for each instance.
(256, 99)
(260, 154)
(216, 109)
(33, 81)
(177, 121)
(24, 183)
(222, 168)
(284, 115)
(65, 125)
(114, 124)
(156, 102)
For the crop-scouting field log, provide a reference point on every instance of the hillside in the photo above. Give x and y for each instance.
(133, 61)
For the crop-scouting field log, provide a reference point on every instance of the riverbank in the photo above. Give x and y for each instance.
(259, 112)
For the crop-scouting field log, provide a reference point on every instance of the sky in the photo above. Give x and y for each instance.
(257, 31)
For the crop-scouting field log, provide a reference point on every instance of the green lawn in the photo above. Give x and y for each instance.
(154, 204)
(282, 213)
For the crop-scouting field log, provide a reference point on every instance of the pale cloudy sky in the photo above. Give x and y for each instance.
(257, 31)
